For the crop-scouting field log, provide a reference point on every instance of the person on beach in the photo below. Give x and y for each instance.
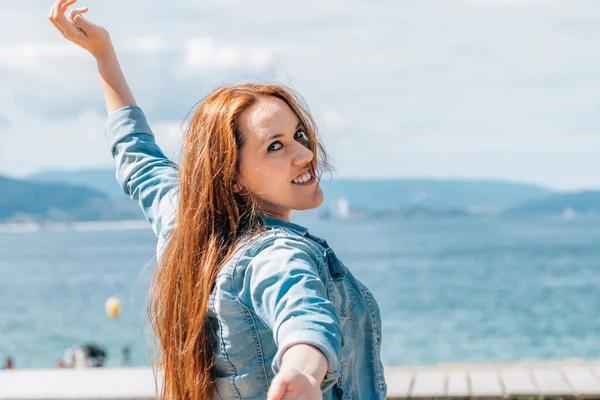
(83, 356)
(8, 364)
(244, 303)
(75, 357)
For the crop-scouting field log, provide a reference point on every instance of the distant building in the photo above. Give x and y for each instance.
(569, 213)
(340, 208)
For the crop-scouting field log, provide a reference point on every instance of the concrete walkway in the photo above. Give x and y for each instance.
(93, 383)
(557, 379)
(554, 379)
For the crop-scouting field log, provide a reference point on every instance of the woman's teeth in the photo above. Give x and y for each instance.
(303, 178)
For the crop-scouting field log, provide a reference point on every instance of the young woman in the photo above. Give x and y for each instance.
(244, 303)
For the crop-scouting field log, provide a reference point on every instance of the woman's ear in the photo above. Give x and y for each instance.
(236, 187)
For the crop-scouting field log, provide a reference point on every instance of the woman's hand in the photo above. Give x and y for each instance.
(79, 30)
(96, 40)
(303, 368)
(291, 383)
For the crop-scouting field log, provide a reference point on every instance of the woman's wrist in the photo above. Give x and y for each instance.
(104, 52)
(106, 58)
(307, 359)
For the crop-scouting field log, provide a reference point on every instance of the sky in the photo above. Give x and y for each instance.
(494, 89)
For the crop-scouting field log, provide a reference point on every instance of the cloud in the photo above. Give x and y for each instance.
(152, 45)
(203, 53)
(424, 87)
(516, 3)
(333, 121)
(32, 144)
(33, 56)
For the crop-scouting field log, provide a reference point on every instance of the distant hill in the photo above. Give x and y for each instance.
(94, 194)
(27, 201)
(101, 179)
(374, 195)
(586, 202)
(482, 195)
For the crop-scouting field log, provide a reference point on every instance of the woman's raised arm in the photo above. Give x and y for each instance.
(143, 171)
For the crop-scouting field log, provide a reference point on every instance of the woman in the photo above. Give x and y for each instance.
(244, 303)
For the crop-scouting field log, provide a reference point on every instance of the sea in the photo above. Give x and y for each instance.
(451, 290)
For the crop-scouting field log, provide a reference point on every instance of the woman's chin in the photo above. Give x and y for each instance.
(311, 204)
(299, 203)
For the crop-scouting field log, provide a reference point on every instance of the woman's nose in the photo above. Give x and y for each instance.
(303, 155)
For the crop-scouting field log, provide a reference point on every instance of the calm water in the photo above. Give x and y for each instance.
(454, 290)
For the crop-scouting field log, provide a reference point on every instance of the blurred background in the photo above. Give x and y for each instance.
(464, 135)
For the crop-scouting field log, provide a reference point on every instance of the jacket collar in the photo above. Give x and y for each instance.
(273, 222)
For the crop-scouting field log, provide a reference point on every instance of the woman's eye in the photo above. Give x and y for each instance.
(275, 146)
(301, 135)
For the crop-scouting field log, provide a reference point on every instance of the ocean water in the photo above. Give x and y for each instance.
(450, 290)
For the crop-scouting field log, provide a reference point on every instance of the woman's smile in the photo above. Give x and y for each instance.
(306, 179)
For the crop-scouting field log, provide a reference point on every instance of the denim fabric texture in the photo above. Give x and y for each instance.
(282, 287)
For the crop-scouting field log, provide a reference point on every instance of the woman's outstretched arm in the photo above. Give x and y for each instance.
(116, 89)
(143, 171)
(95, 39)
(283, 287)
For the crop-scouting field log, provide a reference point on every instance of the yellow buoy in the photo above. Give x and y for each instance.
(113, 307)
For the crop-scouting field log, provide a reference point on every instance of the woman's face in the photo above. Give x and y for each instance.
(275, 159)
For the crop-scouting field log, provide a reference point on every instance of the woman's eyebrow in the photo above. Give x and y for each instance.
(278, 135)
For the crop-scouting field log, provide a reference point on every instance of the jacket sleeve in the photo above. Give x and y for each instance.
(284, 286)
(143, 171)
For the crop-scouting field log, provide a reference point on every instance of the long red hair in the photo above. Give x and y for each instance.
(210, 220)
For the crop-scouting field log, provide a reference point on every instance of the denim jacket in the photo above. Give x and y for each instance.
(282, 287)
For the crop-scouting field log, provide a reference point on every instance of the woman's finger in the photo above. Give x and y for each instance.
(56, 12)
(52, 11)
(59, 20)
(276, 393)
(57, 9)
(76, 11)
(66, 5)
(277, 389)
(82, 24)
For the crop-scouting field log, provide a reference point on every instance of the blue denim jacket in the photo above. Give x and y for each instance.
(282, 287)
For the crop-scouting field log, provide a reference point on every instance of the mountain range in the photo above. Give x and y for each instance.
(94, 194)
(34, 201)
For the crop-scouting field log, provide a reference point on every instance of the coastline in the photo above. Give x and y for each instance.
(29, 227)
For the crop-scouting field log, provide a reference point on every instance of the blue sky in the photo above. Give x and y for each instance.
(455, 88)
